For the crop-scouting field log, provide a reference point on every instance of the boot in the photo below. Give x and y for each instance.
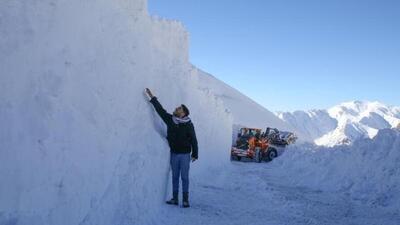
(185, 202)
(174, 199)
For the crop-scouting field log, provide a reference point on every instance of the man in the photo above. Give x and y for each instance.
(182, 141)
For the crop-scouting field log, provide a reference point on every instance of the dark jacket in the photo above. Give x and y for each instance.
(181, 137)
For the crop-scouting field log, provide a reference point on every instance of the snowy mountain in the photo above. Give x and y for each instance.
(343, 123)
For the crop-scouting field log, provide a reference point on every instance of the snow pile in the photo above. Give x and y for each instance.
(79, 143)
(344, 123)
(368, 170)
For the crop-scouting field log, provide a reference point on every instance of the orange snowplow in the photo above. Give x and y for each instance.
(254, 144)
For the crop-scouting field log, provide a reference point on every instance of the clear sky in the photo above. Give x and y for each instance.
(291, 54)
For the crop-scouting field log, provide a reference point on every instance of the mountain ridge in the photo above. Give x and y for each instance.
(343, 123)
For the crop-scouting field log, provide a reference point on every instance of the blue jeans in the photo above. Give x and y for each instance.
(180, 164)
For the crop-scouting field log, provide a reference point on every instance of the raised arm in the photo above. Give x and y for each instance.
(166, 117)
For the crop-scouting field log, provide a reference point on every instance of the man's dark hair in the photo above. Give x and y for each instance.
(185, 109)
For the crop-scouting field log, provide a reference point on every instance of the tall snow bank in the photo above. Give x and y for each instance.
(244, 111)
(79, 143)
(368, 170)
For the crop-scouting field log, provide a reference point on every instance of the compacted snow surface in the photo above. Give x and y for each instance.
(252, 193)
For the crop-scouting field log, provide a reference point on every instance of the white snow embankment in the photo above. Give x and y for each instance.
(79, 143)
(368, 170)
(245, 111)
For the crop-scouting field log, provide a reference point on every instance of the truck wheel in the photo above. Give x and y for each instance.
(258, 157)
(271, 154)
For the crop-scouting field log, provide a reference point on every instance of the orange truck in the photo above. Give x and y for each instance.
(256, 145)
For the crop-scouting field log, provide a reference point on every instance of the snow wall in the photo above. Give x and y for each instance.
(245, 111)
(80, 143)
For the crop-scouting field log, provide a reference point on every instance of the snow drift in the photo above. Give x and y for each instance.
(79, 143)
(368, 170)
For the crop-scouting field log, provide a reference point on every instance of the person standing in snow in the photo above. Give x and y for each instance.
(182, 141)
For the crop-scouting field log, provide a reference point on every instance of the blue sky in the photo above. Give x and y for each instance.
(290, 54)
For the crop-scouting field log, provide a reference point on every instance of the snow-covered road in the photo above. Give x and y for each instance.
(250, 193)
